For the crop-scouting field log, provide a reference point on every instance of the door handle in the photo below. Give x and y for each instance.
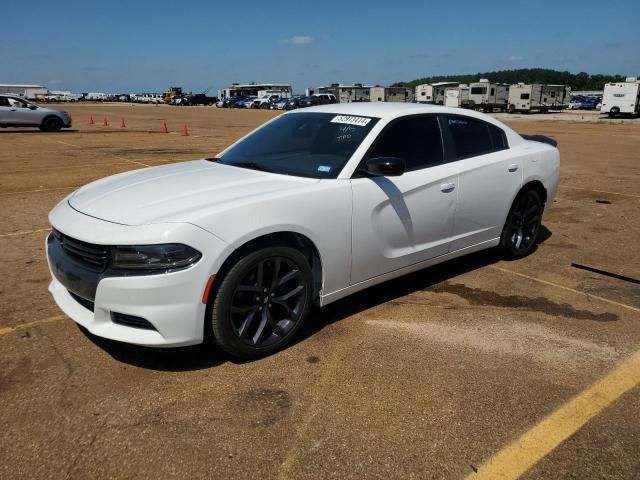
(447, 187)
(513, 167)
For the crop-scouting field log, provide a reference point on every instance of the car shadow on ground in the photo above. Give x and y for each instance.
(208, 355)
(7, 131)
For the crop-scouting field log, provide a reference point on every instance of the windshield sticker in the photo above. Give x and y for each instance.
(350, 120)
(324, 168)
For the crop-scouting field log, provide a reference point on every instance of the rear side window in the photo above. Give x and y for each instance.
(417, 140)
(4, 102)
(498, 138)
(473, 137)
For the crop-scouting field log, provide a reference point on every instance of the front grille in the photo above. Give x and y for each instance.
(131, 321)
(88, 304)
(94, 257)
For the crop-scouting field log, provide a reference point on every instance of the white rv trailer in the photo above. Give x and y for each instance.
(390, 94)
(254, 89)
(528, 97)
(484, 95)
(456, 96)
(424, 93)
(440, 88)
(622, 97)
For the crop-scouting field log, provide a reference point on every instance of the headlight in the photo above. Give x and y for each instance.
(164, 257)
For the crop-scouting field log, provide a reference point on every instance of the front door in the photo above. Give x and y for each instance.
(402, 220)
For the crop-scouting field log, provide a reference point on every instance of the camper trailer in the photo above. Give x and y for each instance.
(424, 93)
(529, 97)
(484, 95)
(457, 96)
(440, 88)
(390, 94)
(621, 98)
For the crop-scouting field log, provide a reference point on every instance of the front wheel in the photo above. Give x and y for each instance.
(262, 301)
(51, 124)
(520, 233)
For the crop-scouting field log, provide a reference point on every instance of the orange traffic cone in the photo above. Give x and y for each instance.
(185, 131)
(105, 122)
(164, 128)
(122, 124)
(91, 120)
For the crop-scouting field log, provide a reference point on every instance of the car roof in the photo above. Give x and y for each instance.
(391, 110)
(385, 109)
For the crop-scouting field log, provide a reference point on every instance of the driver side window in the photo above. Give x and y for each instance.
(417, 140)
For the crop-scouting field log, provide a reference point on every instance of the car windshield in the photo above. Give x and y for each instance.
(315, 145)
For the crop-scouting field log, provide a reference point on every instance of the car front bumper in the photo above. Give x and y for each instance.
(171, 304)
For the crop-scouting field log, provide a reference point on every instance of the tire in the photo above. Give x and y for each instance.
(512, 108)
(614, 112)
(255, 314)
(521, 230)
(51, 124)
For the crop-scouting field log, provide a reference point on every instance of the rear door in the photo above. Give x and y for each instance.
(490, 176)
(406, 219)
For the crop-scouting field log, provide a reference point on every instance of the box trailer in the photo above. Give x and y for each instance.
(539, 97)
(487, 96)
(457, 96)
(622, 98)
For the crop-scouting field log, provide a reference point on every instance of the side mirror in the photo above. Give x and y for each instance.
(384, 167)
(32, 107)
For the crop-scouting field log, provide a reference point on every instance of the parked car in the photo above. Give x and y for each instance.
(293, 103)
(18, 112)
(583, 103)
(228, 102)
(191, 99)
(313, 206)
(244, 103)
(265, 101)
(279, 104)
(326, 98)
(308, 101)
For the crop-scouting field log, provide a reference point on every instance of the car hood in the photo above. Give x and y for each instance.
(181, 192)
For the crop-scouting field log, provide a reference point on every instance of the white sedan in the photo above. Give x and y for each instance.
(312, 206)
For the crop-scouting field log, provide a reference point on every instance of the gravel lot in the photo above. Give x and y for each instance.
(427, 376)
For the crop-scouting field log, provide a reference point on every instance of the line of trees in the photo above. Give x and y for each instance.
(577, 81)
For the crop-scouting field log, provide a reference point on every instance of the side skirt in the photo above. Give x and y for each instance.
(338, 294)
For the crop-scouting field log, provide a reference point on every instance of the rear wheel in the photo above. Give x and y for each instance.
(262, 301)
(614, 112)
(512, 108)
(521, 230)
(51, 124)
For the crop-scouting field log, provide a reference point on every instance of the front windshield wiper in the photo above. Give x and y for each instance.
(251, 165)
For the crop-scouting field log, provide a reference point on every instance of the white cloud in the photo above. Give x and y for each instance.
(297, 40)
(515, 59)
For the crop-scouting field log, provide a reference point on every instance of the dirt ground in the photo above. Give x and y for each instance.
(427, 376)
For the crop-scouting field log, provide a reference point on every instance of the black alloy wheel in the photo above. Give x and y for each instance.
(521, 230)
(262, 302)
(51, 124)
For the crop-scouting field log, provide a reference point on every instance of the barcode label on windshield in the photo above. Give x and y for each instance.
(349, 120)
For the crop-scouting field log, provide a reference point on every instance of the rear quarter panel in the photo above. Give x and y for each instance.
(542, 165)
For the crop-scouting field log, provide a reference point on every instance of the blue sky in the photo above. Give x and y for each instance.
(148, 46)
